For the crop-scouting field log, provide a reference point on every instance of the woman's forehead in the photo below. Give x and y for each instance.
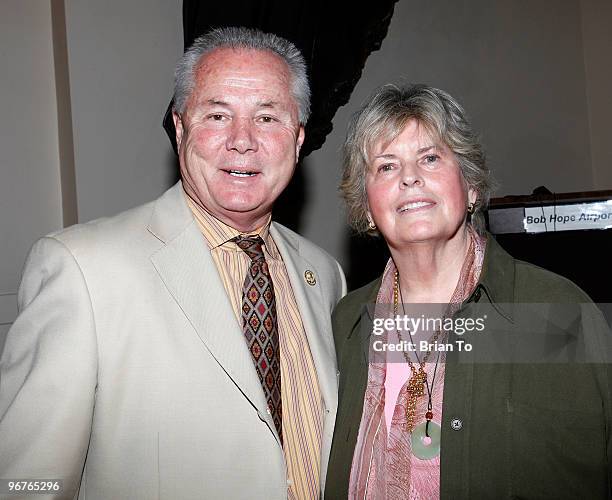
(388, 132)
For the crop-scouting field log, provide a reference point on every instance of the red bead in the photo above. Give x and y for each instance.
(429, 415)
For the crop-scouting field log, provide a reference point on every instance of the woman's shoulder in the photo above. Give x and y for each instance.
(356, 299)
(536, 284)
(347, 312)
(520, 281)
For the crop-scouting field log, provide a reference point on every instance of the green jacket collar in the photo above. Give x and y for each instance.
(496, 279)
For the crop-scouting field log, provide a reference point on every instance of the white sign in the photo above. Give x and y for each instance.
(593, 215)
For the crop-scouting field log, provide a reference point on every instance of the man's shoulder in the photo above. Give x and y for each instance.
(133, 230)
(124, 228)
(328, 273)
(311, 251)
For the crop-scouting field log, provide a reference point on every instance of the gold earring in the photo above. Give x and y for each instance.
(371, 225)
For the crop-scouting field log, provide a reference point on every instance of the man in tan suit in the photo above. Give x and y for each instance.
(136, 368)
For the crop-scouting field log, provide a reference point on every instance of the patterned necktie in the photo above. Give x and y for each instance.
(260, 326)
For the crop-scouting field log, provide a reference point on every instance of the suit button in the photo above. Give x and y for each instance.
(456, 424)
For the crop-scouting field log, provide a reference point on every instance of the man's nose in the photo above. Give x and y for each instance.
(241, 136)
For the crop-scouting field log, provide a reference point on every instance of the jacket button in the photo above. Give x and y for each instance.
(456, 424)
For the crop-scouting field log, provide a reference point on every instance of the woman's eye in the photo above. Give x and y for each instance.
(431, 159)
(385, 167)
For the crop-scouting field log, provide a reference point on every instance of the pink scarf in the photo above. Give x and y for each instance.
(383, 465)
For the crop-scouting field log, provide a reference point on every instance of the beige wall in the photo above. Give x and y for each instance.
(30, 203)
(103, 118)
(597, 45)
(518, 68)
(122, 55)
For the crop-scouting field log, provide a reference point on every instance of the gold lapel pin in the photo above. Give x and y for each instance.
(310, 277)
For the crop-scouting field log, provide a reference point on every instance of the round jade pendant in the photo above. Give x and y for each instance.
(424, 447)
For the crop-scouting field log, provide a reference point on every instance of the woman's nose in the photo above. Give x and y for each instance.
(410, 176)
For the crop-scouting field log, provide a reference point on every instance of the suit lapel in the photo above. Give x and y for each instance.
(313, 310)
(185, 265)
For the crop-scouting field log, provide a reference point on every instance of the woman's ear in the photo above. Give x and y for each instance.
(371, 224)
(472, 196)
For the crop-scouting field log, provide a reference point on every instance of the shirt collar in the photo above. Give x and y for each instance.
(217, 233)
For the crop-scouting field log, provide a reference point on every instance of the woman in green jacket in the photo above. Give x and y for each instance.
(517, 407)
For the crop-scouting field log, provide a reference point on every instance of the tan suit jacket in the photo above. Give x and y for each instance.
(126, 374)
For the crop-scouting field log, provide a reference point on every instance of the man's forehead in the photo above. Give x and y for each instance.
(242, 63)
(238, 91)
(226, 75)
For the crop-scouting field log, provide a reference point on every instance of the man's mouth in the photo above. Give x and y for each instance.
(241, 173)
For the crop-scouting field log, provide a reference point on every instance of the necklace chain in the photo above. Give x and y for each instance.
(418, 380)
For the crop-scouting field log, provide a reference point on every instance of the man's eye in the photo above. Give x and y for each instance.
(266, 119)
(217, 117)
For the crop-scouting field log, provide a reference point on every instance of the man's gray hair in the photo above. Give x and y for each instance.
(384, 117)
(242, 38)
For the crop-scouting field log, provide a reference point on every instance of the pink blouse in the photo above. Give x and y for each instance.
(383, 465)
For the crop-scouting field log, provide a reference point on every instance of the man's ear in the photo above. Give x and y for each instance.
(300, 140)
(178, 127)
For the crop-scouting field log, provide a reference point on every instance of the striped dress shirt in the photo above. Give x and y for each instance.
(302, 402)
